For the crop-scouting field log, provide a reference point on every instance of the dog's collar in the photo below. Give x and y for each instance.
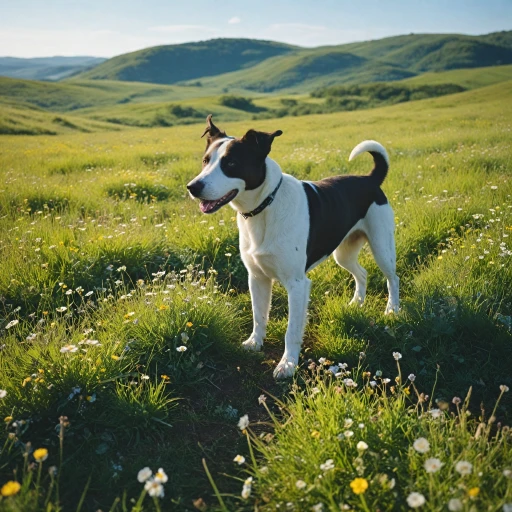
(264, 204)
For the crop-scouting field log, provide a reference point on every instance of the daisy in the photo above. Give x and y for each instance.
(160, 476)
(182, 348)
(243, 423)
(432, 465)
(421, 445)
(154, 488)
(239, 459)
(362, 446)
(300, 484)
(69, 348)
(144, 474)
(3, 393)
(415, 500)
(327, 465)
(464, 467)
(397, 356)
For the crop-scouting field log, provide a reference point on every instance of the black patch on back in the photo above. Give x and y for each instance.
(335, 205)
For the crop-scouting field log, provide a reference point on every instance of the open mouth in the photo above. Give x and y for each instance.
(213, 206)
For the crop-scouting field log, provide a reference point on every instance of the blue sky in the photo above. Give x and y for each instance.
(31, 28)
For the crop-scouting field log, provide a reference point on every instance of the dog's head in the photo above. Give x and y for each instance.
(230, 166)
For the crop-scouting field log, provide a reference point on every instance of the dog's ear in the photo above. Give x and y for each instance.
(261, 141)
(212, 131)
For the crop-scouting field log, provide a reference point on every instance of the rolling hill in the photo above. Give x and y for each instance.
(46, 68)
(189, 61)
(266, 66)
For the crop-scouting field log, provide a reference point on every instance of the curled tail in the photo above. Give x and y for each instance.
(380, 158)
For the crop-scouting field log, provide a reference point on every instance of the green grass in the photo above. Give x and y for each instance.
(89, 221)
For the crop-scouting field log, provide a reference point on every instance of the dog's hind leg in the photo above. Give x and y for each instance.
(380, 228)
(346, 256)
(298, 296)
(261, 293)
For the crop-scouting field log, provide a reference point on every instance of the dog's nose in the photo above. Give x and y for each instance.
(195, 187)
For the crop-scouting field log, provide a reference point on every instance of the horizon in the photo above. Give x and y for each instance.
(29, 29)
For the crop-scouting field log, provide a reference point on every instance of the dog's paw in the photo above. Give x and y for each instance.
(357, 300)
(286, 368)
(253, 344)
(391, 308)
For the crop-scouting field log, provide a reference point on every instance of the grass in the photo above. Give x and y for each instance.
(103, 252)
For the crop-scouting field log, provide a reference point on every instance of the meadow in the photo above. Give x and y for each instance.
(123, 309)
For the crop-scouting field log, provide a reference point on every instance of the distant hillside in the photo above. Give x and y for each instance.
(266, 66)
(46, 68)
(189, 61)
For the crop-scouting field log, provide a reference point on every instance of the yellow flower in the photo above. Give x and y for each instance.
(189, 324)
(8, 419)
(40, 454)
(359, 485)
(473, 492)
(10, 488)
(163, 307)
(114, 357)
(165, 377)
(315, 434)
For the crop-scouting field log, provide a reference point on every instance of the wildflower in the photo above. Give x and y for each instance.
(247, 488)
(12, 323)
(10, 488)
(386, 381)
(92, 342)
(315, 434)
(3, 393)
(456, 400)
(160, 476)
(262, 399)
(397, 356)
(165, 377)
(300, 484)
(91, 398)
(41, 454)
(184, 337)
(61, 309)
(348, 433)
(154, 488)
(359, 485)
(327, 465)
(69, 348)
(378, 373)
(455, 505)
(144, 377)
(350, 383)
(464, 467)
(362, 446)
(318, 507)
(163, 307)
(421, 445)
(436, 413)
(360, 425)
(432, 465)
(182, 348)
(239, 459)
(348, 422)
(507, 473)
(8, 419)
(473, 492)
(415, 500)
(144, 474)
(412, 377)
(243, 423)
(504, 389)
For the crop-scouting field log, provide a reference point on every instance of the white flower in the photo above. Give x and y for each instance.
(184, 337)
(12, 323)
(327, 465)
(348, 422)
(160, 476)
(386, 380)
(412, 377)
(361, 425)
(415, 500)
(144, 377)
(300, 484)
(88, 294)
(92, 342)
(350, 383)
(348, 433)
(247, 488)
(421, 445)
(436, 413)
(464, 467)
(144, 474)
(61, 309)
(239, 459)
(69, 348)
(3, 393)
(432, 465)
(182, 348)
(361, 446)
(373, 383)
(243, 423)
(455, 505)
(154, 488)
(503, 388)
(507, 473)
(318, 507)
(397, 356)
(322, 360)
(262, 399)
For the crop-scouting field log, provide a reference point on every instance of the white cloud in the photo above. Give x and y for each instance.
(234, 20)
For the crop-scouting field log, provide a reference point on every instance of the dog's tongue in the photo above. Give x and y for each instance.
(207, 206)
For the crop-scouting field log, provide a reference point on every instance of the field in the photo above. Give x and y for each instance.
(123, 309)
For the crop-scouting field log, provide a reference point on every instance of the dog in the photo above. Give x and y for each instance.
(287, 226)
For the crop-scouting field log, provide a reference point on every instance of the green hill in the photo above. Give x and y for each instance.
(189, 61)
(267, 66)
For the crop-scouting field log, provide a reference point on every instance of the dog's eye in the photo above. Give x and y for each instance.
(205, 161)
(231, 163)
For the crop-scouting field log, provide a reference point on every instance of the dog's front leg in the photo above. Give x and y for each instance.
(298, 296)
(261, 292)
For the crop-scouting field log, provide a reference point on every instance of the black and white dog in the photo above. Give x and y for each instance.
(287, 226)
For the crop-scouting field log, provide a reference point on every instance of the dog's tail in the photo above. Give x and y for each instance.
(380, 158)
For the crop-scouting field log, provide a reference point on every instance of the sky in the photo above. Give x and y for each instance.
(104, 28)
